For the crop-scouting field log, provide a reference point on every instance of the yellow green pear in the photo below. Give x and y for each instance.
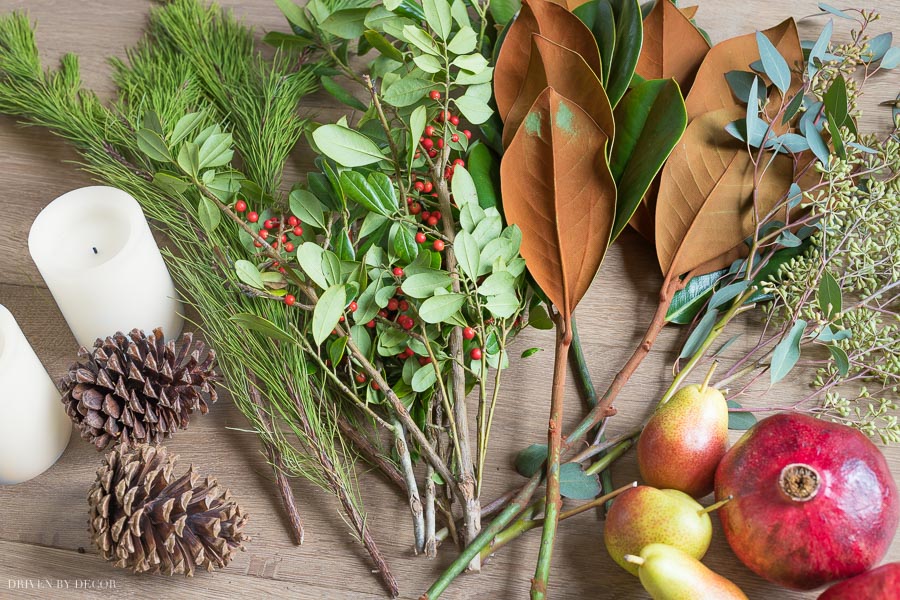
(685, 439)
(645, 515)
(667, 573)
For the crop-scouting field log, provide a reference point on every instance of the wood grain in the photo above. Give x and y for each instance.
(43, 523)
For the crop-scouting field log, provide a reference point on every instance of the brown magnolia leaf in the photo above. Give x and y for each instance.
(712, 92)
(705, 203)
(552, 65)
(558, 189)
(689, 11)
(673, 47)
(643, 219)
(551, 21)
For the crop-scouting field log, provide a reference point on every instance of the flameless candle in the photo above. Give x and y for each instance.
(34, 428)
(94, 249)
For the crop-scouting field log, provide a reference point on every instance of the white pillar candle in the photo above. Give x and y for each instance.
(95, 251)
(34, 428)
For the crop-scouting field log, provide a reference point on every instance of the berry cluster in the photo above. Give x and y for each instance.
(278, 228)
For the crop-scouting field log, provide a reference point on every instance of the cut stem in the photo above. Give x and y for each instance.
(708, 378)
(715, 506)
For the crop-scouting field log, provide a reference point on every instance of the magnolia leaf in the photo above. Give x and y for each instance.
(650, 120)
(566, 72)
(328, 312)
(440, 308)
(263, 326)
(711, 90)
(787, 352)
(672, 48)
(346, 146)
(599, 17)
(555, 23)
(622, 20)
(249, 274)
(708, 186)
(558, 189)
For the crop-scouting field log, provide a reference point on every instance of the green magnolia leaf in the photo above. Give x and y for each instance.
(249, 274)
(475, 110)
(152, 144)
(575, 484)
(263, 326)
(503, 305)
(328, 312)
(215, 151)
(437, 14)
(348, 24)
(787, 352)
(209, 213)
(463, 42)
(463, 187)
(650, 120)
(530, 460)
(346, 146)
(829, 296)
(629, 36)
(468, 254)
(440, 308)
(185, 126)
(424, 378)
(306, 207)
(407, 91)
(423, 285)
(599, 18)
(740, 421)
(700, 333)
(309, 255)
(340, 94)
(687, 302)
(841, 360)
(774, 65)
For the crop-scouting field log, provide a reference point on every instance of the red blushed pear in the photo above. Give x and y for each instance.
(814, 501)
(882, 583)
(685, 439)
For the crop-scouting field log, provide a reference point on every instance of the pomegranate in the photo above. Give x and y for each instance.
(813, 501)
(882, 583)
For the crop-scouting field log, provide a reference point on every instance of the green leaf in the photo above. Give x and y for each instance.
(423, 285)
(428, 63)
(836, 102)
(294, 14)
(728, 293)
(341, 95)
(841, 360)
(473, 63)
(152, 144)
(463, 187)
(774, 65)
(835, 11)
(530, 460)
(740, 83)
(574, 483)
(420, 40)
(599, 18)
(249, 274)
(687, 302)
(440, 308)
(475, 111)
(361, 191)
(346, 146)
(328, 312)
(539, 319)
(170, 182)
(470, 215)
(424, 378)
(185, 126)
(504, 10)
(348, 24)
(629, 37)
(740, 421)
(407, 91)
(336, 349)
(151, 121)
(286, 41)
(700, 333)
(530, 352)
(417, 122)
(787, 352)
(309, 255)
(306, 207)
(498, 283)
(829, 296)
(216, 151)
(189, 158)
(503, 305)
(463, 42)
(468, 254)
(209, 214)
(460, 13)
(263, 326)
(405, 246)
(650, 120)
(819, 49)
(437, 15)
(384, 189)
(383, 45)
(331, 267)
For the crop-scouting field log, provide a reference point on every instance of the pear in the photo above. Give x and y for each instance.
(667, 573)
(685, 439)
(645, 515)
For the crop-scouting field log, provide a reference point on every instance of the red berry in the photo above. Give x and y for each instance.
(468, 333)
(375, 386)
(263, 233)
(407, 323)
(283, 271)
(382, 313)
(269, 224)
(289, 247)
(434, 95)
(440, 117)
(428, 144)
(371, 324)
(454, 138)
(432, 220)
(283, 238)
(438, 245)
(293, 221)
(398, 272)
(429, 130)
(289, 300)
(454, 119)
(360, 378)
(274, 244)
(257, 244)
(432, 153)
(424, 360)
(475, 353)
(252, 216)
(440, 142)
(428, 187)
(419, 185)
(420, 238)
(459, 163)
(436, 214)
(415, 208)
(404, 306)
(392, 304)
(298, 230)
(467, 133)
(353, 306)
(240, 206)
(425, 215)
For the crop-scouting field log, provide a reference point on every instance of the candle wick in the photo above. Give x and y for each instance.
(95, 250)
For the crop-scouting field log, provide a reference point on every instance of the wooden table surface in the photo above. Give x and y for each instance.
(43, 523)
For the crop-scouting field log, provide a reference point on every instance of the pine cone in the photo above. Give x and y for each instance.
(136, 389)
(146, 520)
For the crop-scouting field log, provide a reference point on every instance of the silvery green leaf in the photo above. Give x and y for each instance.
(773, 63)
(463, 42)
(879, 45)
(468, 254)
(209, 214)
(827, 335)
(498, 283)
(152, 144)
(740, 82)
(328, 312)
(249, 274)
(737, 129)
(789, 142)
(428, 63)
(437, 15)
(756, 127)
(463, 187)
(835, 11)
(470, 215)
(795, 196)
(819, 49)
(739, 421)
(309, 256)
(441, 308)
(575, 484)
(816, 144)
(503, 305)
(530, 460)
(473, 63)
(474, 110)
(788, 240)
(787, 352)
(346, 146)
(700, 333)
(407, 91)
(728, 293)
(891, 59)
(420, 40)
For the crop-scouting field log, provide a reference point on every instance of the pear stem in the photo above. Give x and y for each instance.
(709, 374)
(715, 506)
(637, 560)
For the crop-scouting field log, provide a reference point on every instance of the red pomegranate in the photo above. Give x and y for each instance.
(813, 501)
(882, 583)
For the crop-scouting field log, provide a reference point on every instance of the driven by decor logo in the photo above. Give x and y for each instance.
(61, 584)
